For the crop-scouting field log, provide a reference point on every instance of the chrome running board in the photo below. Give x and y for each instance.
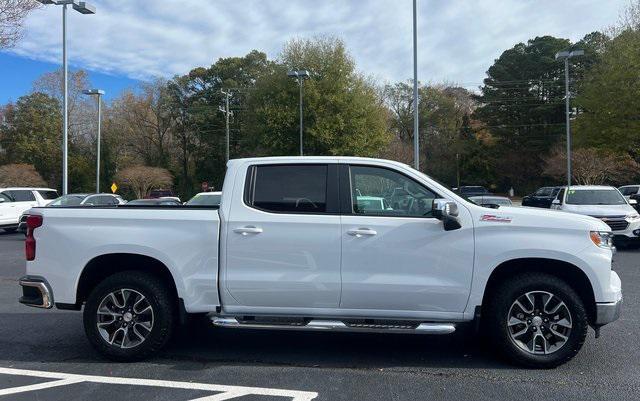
(337, 325)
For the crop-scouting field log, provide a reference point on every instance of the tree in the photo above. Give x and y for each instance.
(32, 135)
(12, 16)
(608, 98)
(592, 166)
(20, 175)
(142, 179)
(343, 113)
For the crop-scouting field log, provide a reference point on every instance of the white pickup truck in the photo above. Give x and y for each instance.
(294, 245)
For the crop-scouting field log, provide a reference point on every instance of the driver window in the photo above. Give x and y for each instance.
(379, 191)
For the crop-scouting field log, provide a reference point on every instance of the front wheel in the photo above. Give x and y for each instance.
(129, 316)
(536, 320)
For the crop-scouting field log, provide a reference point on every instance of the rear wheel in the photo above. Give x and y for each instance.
(129, 315)
(536, 320)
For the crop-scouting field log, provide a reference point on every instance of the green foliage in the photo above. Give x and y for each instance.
(609, 100)
(343, 113)
(32, 134)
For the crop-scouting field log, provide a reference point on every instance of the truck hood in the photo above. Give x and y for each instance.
(599, 210)
(537, 218)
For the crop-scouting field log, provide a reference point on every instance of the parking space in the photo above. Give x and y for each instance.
(204, 362)
(65, 386)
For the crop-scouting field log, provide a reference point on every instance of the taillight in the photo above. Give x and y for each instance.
(33, 221)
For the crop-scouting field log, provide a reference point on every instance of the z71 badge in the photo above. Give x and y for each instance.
(495, 219)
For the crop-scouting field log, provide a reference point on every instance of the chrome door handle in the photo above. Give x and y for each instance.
(247, 230)
(361, 232)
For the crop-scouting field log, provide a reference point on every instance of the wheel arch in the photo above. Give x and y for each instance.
(103, 266)
(568, 272)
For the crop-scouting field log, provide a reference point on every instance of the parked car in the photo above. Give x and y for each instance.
(475, 190)
(161, 193)
(15, 201)
(155, 202)
(541, 198)
(491, 201)
(87, 200)
(629, 190)
(286, 249)
(604, 203)
(205, 199)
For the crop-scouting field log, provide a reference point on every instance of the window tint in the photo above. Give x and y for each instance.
(629, 191)
(291, 188)
(382, 192)
(48, 195)
(546, 191)
(21, 195)
(560, 196)
(4, 198)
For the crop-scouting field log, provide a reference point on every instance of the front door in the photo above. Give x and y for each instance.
(395, 255)
(283, 238)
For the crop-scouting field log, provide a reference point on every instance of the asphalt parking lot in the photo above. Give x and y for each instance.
(45, 356)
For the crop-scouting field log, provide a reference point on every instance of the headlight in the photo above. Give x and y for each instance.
(602, 239)
(633, 217)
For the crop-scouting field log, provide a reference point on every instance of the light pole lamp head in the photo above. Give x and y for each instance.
(93, 92)
(46, 2)
(568, 54)
(292, 74)
(304, 74)
(83, 7)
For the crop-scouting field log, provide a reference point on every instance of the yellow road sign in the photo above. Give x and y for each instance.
(114, 187)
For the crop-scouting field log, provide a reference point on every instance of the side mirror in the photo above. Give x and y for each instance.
(447, 212)
(556, 202)
(633, 202)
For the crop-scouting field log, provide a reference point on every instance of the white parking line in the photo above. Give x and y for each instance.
(226, 392)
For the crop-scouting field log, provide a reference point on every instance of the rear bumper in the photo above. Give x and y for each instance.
(36, 292)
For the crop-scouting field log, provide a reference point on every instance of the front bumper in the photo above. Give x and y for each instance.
(608, 312)
(36, 292)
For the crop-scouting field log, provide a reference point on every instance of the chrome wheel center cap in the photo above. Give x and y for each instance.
(536, 321)
(127, 317)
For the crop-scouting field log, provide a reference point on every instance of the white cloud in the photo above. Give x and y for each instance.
(458, 39)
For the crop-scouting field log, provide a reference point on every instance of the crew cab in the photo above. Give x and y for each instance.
(291, 247)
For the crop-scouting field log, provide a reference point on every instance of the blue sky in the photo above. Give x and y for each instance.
(131, 40)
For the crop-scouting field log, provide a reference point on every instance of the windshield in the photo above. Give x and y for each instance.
(68, 200)
(205, 200)
(595, 197)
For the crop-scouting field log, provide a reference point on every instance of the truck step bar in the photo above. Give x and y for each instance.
(338, 325)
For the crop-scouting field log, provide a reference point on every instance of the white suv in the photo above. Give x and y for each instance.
(602, 202)
(15, 201)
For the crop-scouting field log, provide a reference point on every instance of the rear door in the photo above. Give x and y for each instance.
(23, 200)
(400, 258)
(283, 238)
(8, 213)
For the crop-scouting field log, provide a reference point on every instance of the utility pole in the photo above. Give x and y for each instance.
(566, 55)
(227, 113)
(416, 132)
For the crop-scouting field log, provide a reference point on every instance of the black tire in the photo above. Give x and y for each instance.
(497, 313)
(10, 230)
(161, 300)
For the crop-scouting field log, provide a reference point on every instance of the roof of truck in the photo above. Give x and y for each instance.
(331, 159)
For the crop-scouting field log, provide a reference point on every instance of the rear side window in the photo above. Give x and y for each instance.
(290, 188)
(48, 195)
(21, 195)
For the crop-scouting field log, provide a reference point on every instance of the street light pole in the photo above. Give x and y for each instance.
(83, 8)
(416, 133)
(98, 93)
(227, 113)
(65, 107)
(300, 76)
(566, 55)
